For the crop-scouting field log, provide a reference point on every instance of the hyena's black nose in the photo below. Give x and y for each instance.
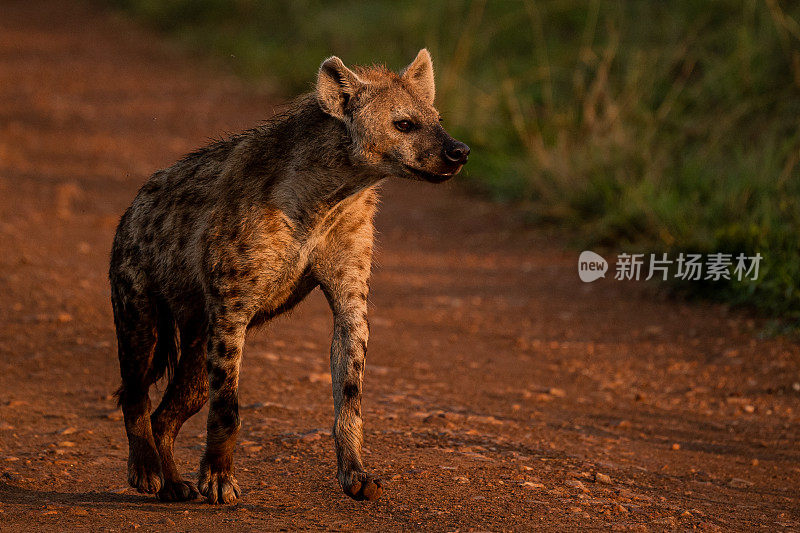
(455, 152)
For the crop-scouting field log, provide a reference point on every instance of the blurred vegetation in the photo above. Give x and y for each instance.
(641, 125)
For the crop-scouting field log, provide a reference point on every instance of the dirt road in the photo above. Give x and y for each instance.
(501, 393)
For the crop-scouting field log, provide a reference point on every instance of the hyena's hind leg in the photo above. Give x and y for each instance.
(186, 394)
(136, 322)
(225, 340)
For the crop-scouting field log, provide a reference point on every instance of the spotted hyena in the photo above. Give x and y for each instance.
(241, 231)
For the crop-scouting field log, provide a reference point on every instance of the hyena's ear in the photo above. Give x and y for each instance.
(336, 85)
(419, 74)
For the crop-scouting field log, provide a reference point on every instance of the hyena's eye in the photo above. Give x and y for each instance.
(403, 125)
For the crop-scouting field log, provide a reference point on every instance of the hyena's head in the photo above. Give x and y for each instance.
(391, 118)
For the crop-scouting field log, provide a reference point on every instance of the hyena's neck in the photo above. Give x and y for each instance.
(315, 172)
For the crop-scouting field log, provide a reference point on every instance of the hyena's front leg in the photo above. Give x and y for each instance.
(347, 295)
(216, 481)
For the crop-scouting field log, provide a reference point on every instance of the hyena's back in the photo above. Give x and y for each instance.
(219, 215)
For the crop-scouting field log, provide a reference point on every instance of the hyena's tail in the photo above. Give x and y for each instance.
(168, 346)
(165, 354)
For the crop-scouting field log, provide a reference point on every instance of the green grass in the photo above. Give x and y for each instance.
(639, 125)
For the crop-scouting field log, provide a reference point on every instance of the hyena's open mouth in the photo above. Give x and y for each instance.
(431, 177)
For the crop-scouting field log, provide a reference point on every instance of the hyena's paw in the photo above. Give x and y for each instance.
(218, 487)
(361, 486)
(178, 491)
(144, 470)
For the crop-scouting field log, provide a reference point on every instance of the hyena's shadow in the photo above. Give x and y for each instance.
(27, 498)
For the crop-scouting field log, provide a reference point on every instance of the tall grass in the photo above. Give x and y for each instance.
(642, 125)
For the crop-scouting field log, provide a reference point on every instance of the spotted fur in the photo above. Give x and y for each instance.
(242, 230)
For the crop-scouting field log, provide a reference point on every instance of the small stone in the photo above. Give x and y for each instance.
(66, 444)
(532, 485)
(575, 484)
(461, 479)
(558, 393)
(64, 318)
(748, 409)
(754, 462)
(68, 431)
(6, 426)
(739, 483)
(602, 478)
(676, 446)
(310, 437)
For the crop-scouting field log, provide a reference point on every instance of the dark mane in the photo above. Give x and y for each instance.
(266, 128)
